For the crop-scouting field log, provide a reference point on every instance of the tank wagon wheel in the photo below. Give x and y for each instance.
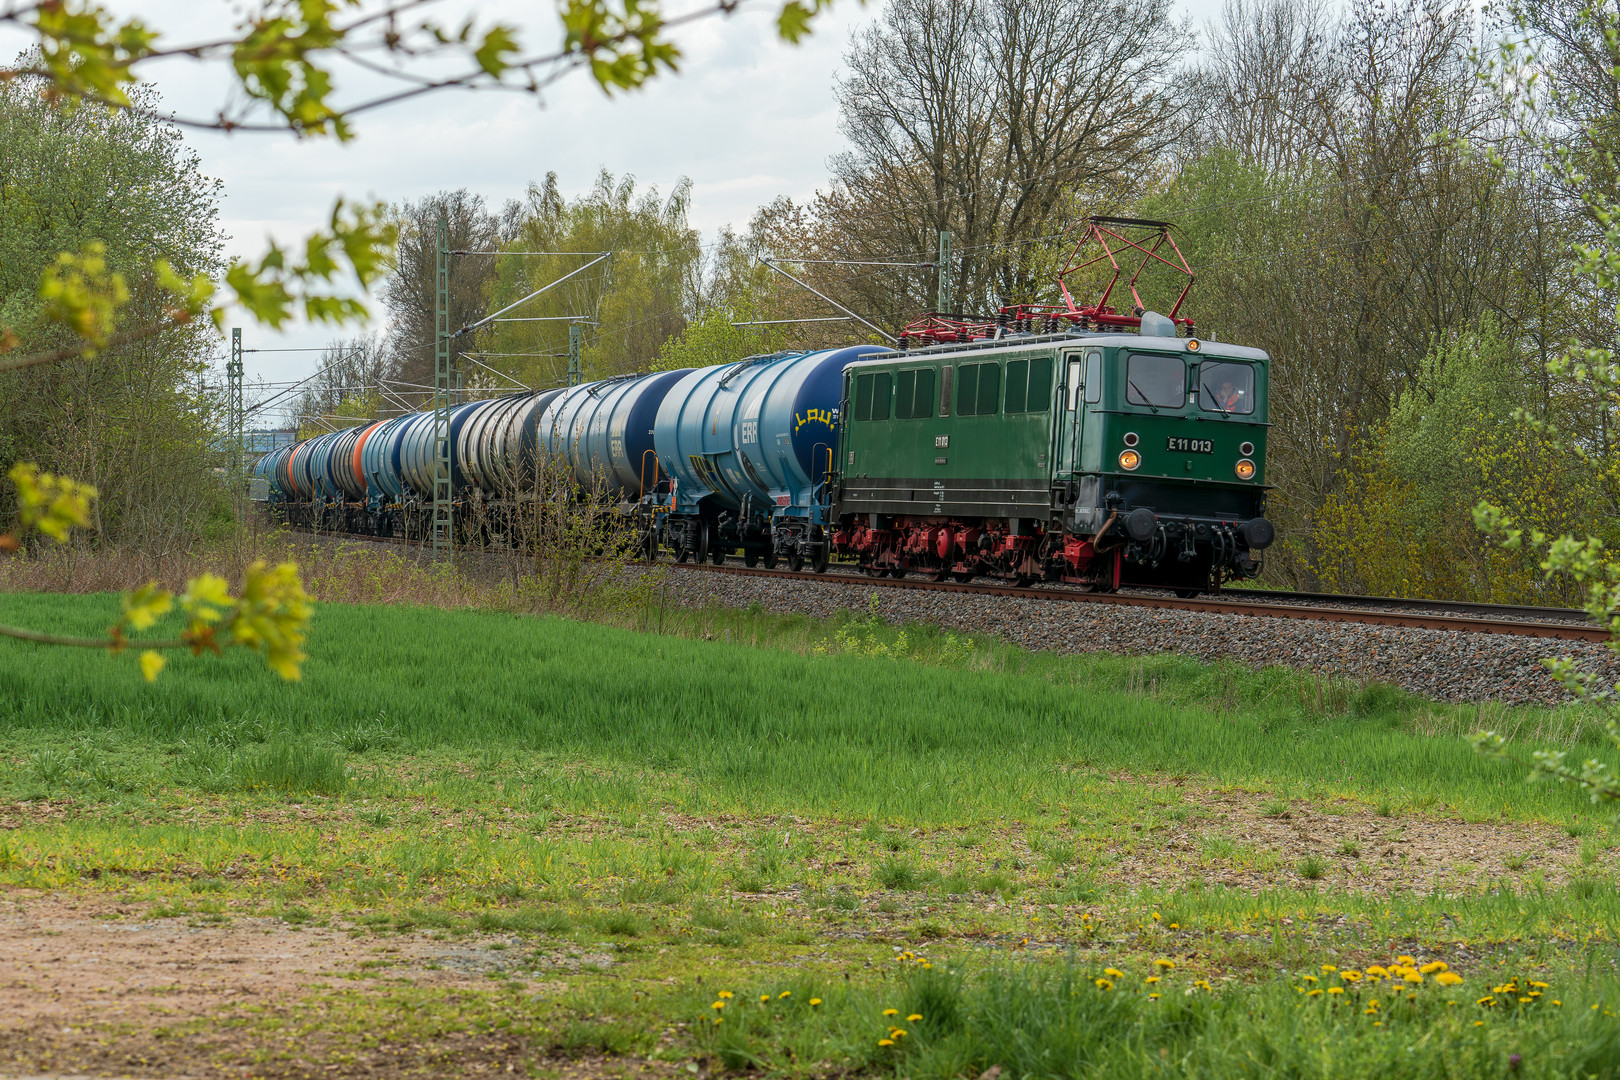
(750, 558)
(770, 558)
(1188, 594)
(681, 553)
(717, 555)
(795, 562)
(820, 560)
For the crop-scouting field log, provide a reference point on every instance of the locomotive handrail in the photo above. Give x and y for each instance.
(654, 453)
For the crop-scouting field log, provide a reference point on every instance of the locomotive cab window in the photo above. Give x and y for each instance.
(914, 394)
(872, 392)
(1159, 382)
(978, 389)
(1227, 388)
(1029, 385)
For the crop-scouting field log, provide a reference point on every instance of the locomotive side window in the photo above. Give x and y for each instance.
(1093, 377)
(1074, 383)
(978, 389)
(1227, 388)
(914, 394)
(872, 393)
(1029, 385)
(1156, 381)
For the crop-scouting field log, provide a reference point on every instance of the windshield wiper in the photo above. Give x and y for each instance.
(1216, 405)
(1141, 395)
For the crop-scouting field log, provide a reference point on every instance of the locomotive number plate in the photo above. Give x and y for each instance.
(1190, 446)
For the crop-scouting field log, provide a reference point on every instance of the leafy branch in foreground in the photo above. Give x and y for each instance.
(1584, 560)
(271, 616)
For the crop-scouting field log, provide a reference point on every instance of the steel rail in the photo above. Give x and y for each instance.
(844, 574)
(1512, 627)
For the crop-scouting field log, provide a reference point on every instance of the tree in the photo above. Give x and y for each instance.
(130, 421)
(410, 293)
(281, 60)
(1001, 121)
(627, 305)
(350, 381)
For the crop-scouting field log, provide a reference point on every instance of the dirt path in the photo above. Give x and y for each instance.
(89, 988)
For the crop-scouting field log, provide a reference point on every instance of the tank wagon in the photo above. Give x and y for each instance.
(1059, 443)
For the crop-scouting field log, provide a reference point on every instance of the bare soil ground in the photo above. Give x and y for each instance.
(89, 988)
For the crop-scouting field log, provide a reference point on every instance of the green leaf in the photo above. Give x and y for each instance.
(498, 44)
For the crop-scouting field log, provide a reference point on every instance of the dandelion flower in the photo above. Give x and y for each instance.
(1310, 978)
(1448, 978)
(1479, 1023)
(1433, 966)
(1556, 1002)
(719, 1020)
(1335, 990)
(1329, 967)
(1486, 1001)
(719, 1005)
(764, 997)
(1113, 973)
(1314, 993)
(1153, 997)
(913, 1018)
(726, 994)
(1350, 976)
(1539, 985)
(1151, 979)
(1203, 984)
(1175, 926)
(785, 993)
(815, 1001)
(891, 1012)
(1413, 975)
(1409, 961)
(1103, 984)
(1374, 969)
(898, 1033)
(885, 1042)
(1165, 963)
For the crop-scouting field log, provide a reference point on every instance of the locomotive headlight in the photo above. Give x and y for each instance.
(1130, 459)
(1245, 469)
(1192, 345)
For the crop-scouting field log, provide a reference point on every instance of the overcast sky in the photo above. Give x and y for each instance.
(747, 118)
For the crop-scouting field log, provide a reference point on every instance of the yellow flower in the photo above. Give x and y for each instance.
(1203, 984)
(898, 1033)
(1156, 917)
(719, 1005)
(1153, 997)
(1413, 975)
(1314, 993)
(1433, 966)
(1373, 1005)
(1175, 926)
(1350, 976)
(1486, 1001)
(1151, 979)
(913, 1018)
(1407, 960)
(764, 997)
(1310, 978)
(1164, 963)
(726, 994)
(1335, 989)
(1448, 978)
(891, 1012)
(1374, 969)
(719, 1019)
(1113, 973)
(1479, 1023)
(1329, 967)
(1555, 1001)
(785, 993)
(1525, 1000)
(815, 1001)
(1103, 984)
(885, 1042)
(1539, 985)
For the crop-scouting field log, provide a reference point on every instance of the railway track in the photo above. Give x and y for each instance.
(1470, 618)
(1565, 623)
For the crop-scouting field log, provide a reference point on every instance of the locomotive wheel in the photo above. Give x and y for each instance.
(717, 555)
(649, 547)
(770, 558)
(795, 562)
(750, 558)
(962, 578)
(897, 571)
(682, 554)
(872, 570)
(1188, 594)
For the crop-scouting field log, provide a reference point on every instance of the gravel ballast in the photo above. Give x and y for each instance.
(1445, 665)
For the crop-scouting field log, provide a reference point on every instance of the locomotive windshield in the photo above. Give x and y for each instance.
(1159, 382)
(1227, 388)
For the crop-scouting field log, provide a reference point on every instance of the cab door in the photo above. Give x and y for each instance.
(1082, 385)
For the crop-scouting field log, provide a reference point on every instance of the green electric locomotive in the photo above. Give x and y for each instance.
(1099, 459)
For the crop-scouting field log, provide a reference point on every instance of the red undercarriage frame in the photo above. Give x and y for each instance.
(943, 547)
(1114, 236)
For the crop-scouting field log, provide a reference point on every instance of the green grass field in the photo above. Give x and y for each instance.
(769, 804)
